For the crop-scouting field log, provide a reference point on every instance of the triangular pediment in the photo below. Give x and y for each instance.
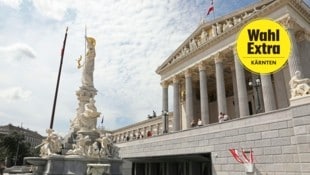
(208, 32)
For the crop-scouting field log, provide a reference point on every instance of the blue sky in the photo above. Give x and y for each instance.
(133, 38)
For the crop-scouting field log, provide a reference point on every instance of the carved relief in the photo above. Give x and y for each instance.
(192, 45)
(219, 28)
(288, 22)
(299, 86)
(203, 37)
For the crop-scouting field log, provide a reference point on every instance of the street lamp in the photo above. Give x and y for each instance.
(256, 84)
(165, 122)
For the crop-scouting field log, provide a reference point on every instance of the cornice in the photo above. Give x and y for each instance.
(264, 7)
(183, 51)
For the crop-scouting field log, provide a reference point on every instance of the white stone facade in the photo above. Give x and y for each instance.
(207, 78)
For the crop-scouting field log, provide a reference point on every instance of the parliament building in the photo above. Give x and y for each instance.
(264, 117)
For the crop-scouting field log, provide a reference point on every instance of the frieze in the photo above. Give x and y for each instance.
(207, 33)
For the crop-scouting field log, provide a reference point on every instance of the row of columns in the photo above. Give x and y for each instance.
(240, 90)
(221, 94)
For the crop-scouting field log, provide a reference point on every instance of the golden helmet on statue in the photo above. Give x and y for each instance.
(91, 40)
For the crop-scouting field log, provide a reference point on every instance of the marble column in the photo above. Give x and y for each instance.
(189, 98)
(241, 85)
(164, 102)
(176, 104)
(294, 60)
(235, 91)
(158, 128)
(165, 86)
(204, 101)
(268, 93)
(220, 84)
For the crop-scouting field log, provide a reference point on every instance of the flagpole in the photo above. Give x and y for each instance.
(58, 79)
(213, 10)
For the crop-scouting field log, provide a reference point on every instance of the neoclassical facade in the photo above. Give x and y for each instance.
(207, 77)
(268, 113)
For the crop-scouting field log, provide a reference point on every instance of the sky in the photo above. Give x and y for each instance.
(133, 38)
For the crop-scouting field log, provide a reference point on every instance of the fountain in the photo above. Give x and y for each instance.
(85, 149)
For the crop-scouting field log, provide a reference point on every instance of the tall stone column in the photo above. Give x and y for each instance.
(189, 98)
(165, 86)
(294, 60)
(220, 84)
(268, 93)
(241, 84)
(235, 90)
(164, 103)
(204, 101)
(176, 104)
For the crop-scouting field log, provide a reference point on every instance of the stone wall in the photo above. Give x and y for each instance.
(280, 141)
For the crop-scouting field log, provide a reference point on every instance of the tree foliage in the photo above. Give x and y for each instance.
(13, 146)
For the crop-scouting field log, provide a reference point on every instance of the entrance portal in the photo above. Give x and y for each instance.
(193, 164)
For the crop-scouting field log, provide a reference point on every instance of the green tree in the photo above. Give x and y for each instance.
(14, 147)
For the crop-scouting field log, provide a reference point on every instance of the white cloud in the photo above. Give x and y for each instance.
(11, 3)
(133, 39)
(51, 8)
(17, 51)
(14, 93)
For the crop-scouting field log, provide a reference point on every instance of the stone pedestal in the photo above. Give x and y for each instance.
(68, 165)
(295, 101)
(98, 169)
(93, 135)
(38, 162)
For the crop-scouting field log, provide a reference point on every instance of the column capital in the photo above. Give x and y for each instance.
(218, 57)
(188, 73)
(233, 48)
(288, 22)
(202, 66)
(302, 35)
(164, 84)
(176, 79)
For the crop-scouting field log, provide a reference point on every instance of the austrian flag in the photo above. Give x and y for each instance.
(243, 158)
(211, 8)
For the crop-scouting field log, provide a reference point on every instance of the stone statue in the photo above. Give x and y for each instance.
(192, 45)
(108, 149)
(219, 28)
(229, 23)
(87, 120)
(236, 20)
(299, 86)
(89, 64)
(104, 141)
(94, 150)
(81, 147)
(214, 33)
(203, 36)
(51, 145)
(91, 110)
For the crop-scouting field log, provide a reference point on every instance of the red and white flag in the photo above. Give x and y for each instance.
(243, 158)
(236, 155)
(211, 8)
(246, 158)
